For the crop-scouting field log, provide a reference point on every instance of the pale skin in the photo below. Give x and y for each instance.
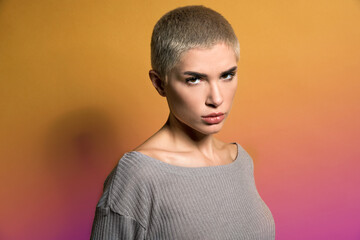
(203, 82)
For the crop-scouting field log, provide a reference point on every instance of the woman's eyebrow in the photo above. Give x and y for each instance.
(231, 70)
(202, 75)
(195, 74)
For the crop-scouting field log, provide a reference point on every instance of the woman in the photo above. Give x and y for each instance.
(183, 183)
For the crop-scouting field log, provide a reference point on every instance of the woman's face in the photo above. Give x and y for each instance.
(201, 87)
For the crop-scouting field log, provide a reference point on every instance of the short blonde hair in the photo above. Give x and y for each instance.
(185, 28)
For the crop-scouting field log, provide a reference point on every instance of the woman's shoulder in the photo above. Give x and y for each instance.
(129, 175)
(126, 189)
(133, 165)
(228, 149)
(155, 147)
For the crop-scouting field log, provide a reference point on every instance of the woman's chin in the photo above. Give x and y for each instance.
(210, 129)
(200, 127)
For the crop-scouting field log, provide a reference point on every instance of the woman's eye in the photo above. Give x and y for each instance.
(228, 76)
(193, 80)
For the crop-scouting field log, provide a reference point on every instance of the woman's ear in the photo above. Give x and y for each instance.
(157, 82)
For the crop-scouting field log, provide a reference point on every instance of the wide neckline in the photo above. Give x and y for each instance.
(182, 169)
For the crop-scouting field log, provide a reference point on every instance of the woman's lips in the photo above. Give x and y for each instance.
(213, 118)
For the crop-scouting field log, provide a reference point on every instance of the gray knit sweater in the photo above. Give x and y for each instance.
(145, 198)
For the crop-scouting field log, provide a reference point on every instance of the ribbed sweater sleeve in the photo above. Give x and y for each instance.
(121, 211)
(109, 225)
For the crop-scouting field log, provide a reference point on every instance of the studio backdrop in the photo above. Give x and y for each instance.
(75, 95)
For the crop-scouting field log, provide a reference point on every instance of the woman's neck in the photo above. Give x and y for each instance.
(177, 143)
(182, 136)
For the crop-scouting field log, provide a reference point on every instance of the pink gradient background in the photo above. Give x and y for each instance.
(74, 96)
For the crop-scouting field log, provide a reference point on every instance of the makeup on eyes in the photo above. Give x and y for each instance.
(197, 77)
(192, 80)
(231, 71)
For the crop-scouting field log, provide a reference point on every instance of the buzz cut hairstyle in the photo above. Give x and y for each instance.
(185, 28)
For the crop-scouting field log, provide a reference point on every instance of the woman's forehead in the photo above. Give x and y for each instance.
(219, 56)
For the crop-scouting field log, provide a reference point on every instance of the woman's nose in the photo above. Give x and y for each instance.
(214, 98)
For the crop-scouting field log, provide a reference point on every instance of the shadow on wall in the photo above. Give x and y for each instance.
(84, 139)
(81, 149)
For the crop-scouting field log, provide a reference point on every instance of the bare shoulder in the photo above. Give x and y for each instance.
(233, 148)
(228, 149)
(153, 147)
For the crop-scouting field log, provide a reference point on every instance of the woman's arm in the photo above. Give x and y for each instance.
(109, 225)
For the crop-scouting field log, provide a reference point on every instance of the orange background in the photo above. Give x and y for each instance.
(75, 95)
